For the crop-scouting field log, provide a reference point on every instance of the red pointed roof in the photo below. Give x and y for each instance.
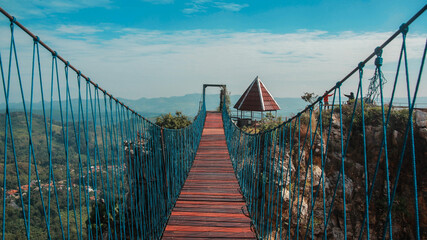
(257, 98)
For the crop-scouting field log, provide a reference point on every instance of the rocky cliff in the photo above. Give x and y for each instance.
(327, 194)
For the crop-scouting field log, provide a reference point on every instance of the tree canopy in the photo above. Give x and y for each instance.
(309, 97)
(176, 121)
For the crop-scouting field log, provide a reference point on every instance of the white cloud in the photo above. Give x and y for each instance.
(145, 63)
(233, 7)
(41, 8)
(196, 6)
(76, 29)
(159, 1)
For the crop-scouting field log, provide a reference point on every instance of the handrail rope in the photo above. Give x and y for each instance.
(14, 21)
(54, 53)
(382, 143)
(99, 131)
(269, 154)
(373, 54)
(408, 131)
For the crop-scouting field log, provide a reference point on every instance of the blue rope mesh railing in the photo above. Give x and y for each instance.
(76, 162)
(340, 170)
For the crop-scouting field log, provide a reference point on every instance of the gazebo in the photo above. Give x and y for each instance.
(256, 99)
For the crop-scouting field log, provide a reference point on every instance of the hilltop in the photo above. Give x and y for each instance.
(187, 104)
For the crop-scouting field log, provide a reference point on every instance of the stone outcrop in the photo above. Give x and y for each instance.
(403, 213)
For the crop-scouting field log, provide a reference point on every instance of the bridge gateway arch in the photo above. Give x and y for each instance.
(223, 91)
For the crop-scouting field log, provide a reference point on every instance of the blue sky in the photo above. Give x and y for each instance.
(158, 48)
(277, 16)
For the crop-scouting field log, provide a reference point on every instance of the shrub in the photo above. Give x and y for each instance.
(269, 122)
(173, 122)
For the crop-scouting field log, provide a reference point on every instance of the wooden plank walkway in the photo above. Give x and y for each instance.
(209, 206)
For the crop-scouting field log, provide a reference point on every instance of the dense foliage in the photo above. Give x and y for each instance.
(224, 95)
(34, 179)
(267, 123)
(309, 97)
(176, 121)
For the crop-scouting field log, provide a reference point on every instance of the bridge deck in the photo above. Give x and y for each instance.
(209, 206)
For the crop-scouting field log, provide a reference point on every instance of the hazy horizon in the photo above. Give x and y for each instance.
(165, 48)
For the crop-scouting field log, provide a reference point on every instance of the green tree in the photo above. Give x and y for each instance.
(309, 97)
(270, 122)
(224, 95)
(176, 121)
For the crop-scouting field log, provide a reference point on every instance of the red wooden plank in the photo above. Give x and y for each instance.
(210, 219)
(209, 210)
(203, 238)
(212, 199)
(211, 194)
(207, 203)
(209, 206)
(206, 206)
(207, 229)
(210, 223)
(209, 235)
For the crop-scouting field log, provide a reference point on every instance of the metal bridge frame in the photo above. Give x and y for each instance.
(223, 92)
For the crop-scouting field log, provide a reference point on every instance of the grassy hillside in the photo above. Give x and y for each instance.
(187, 104)
(39, 170)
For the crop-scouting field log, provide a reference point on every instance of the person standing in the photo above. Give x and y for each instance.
(326, 99)
(350, 97)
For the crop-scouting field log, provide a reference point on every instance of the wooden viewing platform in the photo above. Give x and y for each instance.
(210, 205)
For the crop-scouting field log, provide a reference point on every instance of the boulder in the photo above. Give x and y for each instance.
(349, 186)
(337, 233)
(423, 133)
(420, 119)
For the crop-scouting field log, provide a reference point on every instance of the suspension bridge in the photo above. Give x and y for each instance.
(77, 163)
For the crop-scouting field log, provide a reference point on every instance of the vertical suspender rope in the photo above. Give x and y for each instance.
(373, 181)
(13, 52)
(342, 163)
(280, 185)
(30, 144)
(138, 190)
(323, 161)
(290, 199)
(5, 150)
(63, 135)
(408, 130)
(378, 64)
(261, 205)
(311, 178)
(296, 185)
(365, 163)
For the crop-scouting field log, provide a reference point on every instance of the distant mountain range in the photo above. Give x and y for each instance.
(187, 104)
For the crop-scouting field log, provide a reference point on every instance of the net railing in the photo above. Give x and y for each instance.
(76, 162)
(342, 170)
